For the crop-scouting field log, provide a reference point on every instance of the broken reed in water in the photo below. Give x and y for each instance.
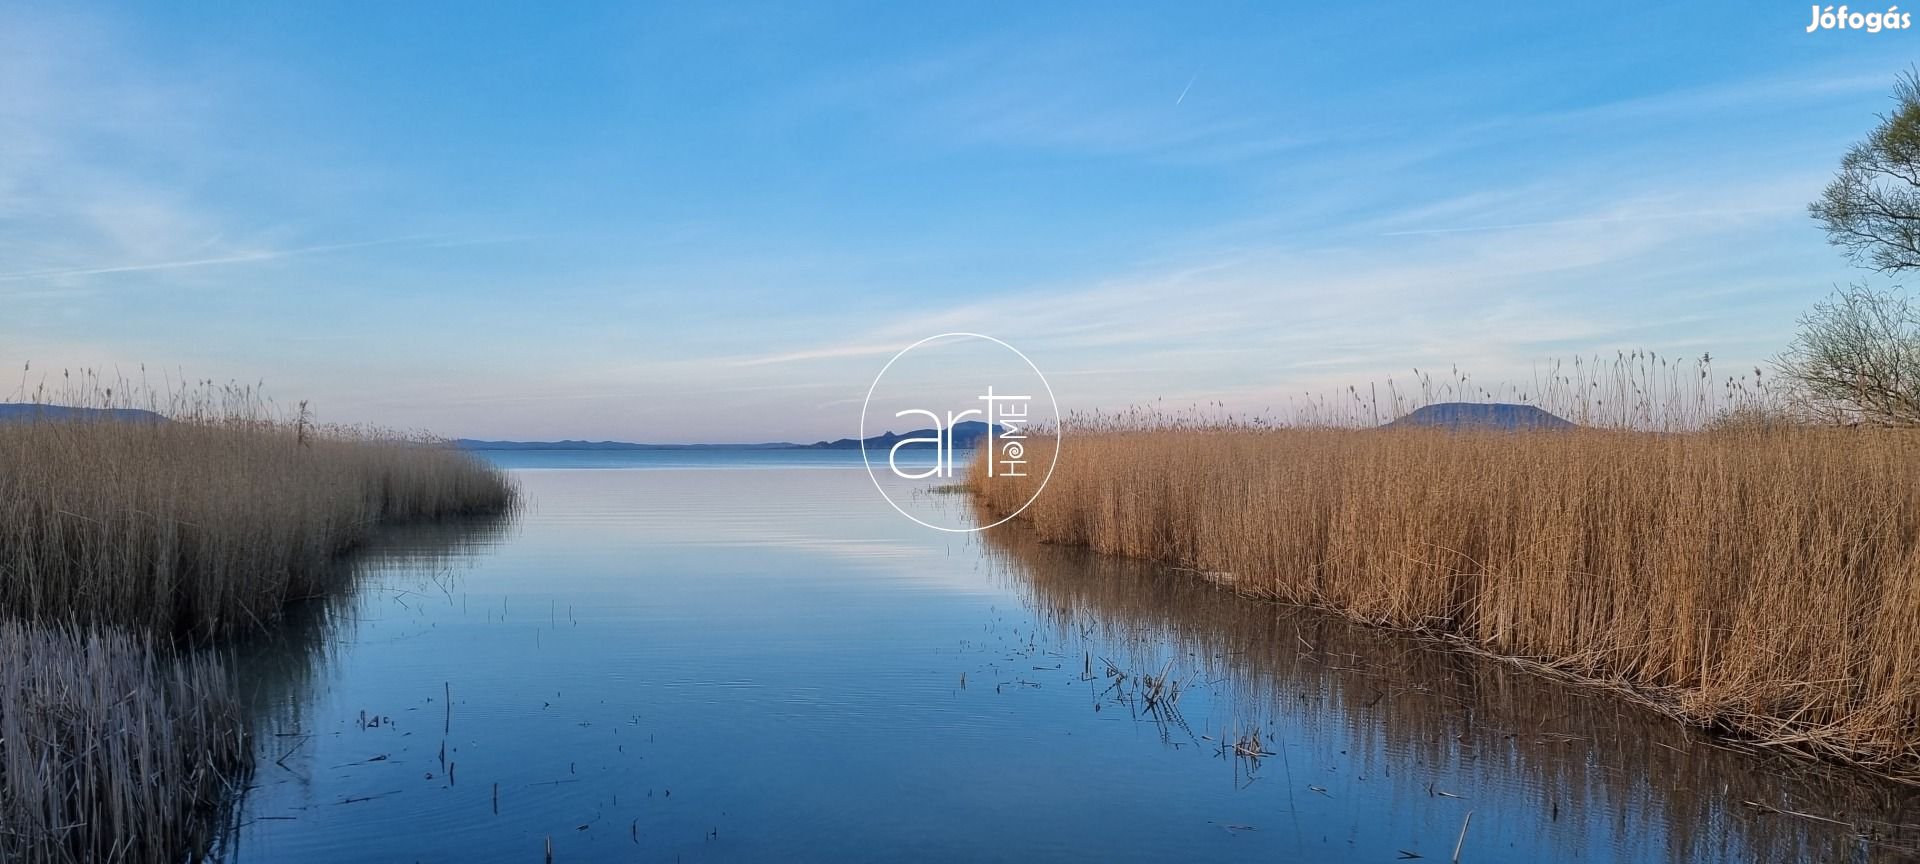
(111, 750)
(210, 526)
(1759, 578)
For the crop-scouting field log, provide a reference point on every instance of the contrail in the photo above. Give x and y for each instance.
(199, 262)
(1183, 91)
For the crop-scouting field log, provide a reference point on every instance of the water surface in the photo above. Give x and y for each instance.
(759, 660)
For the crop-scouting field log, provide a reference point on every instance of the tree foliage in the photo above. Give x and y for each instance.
(1872, 208)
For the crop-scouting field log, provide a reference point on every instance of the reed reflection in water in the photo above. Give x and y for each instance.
(1361, 722)
(812, 677)
(278, 672)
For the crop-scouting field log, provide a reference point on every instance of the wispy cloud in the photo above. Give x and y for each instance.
(1254, 325)
(825, 352)
(1603, 220)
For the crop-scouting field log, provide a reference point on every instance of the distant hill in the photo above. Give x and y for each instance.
(474, 444)
(965, 436)
(28, 412)
(1482, 415)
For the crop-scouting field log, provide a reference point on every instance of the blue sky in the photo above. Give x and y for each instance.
(716, 222)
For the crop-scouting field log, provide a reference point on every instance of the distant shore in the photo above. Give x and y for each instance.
(964, 437)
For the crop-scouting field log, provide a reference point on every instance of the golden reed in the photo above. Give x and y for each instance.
(210, 526)
(1761, 578)
(120, 538)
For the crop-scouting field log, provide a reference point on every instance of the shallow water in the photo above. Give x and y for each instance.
(718, 664)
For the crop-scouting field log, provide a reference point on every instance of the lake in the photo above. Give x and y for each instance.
(674, 657)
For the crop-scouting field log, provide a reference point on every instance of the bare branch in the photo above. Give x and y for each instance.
(1871, 210)
(1857, 357)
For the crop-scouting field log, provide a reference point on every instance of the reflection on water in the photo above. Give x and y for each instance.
(415, 563)
(771, 664)
(1372, 723)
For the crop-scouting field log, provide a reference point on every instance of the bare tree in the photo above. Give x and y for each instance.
(1857, 359)
(1872, 209)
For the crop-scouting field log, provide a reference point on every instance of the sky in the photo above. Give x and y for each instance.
(717, 222)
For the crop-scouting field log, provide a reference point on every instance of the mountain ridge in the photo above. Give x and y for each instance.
(30, 411)
(965, 435)
(1481, 415)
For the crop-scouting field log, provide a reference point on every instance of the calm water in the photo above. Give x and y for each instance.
(761, 661)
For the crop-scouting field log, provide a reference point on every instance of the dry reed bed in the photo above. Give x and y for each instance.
(130, 536)
(205, 528)
(1761, 580)
(109, 750)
